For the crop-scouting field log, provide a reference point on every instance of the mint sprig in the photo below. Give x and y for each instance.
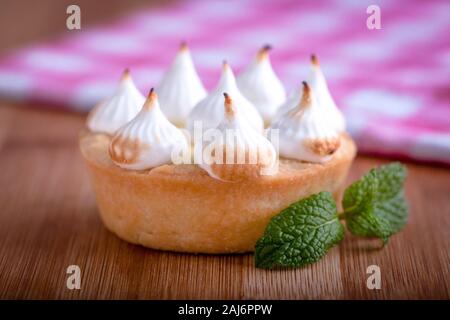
(303, 233)
(375, 206)
(300, 234)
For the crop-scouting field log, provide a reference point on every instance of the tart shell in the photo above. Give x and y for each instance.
(181, 208)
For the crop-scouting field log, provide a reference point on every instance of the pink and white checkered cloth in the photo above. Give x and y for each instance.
(392, 84)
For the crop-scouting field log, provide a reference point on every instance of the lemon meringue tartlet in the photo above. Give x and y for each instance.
(146, 198)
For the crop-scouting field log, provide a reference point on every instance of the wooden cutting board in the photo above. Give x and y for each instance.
(49, 221)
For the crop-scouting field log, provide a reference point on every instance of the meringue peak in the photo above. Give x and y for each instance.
(151, 100)
(210, 111)
(238, 151)
(263, 53)
(119, 108)
(317, 81)
(148, 140)
(314, 60)
(227, 79)
(126, 79)
(126, 74)
(306, 96)
(305, 132)
(307, 100)
(183, 53)
(230, 111)
(290, 104)
(181, 88)
(183, 46)
(259, 84)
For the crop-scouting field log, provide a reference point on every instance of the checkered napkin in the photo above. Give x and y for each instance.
(392, 83)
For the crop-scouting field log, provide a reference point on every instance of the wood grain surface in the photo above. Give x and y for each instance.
(49, 220)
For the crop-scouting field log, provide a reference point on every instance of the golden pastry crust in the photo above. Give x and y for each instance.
(181, 208)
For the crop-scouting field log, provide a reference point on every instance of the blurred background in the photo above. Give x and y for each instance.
(392, 83)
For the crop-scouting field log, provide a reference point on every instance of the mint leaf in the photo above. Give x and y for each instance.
(301, 234)
(375, 206)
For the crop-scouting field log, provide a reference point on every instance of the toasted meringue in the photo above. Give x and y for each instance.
(210, 110)
(289, 104)
(259, 84)
(318, 83)
(148, 140)
(238, 152)
(304, 133)
(112, 113)
(181, 88)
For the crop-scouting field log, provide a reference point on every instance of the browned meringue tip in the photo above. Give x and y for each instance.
(183, 46)
(314, 60)
(305, 101)
(151, 98)
(126, 74)
(225, 65)
(306, 96)
(263, 53)
(229, 108)
(124, 150)
(323, 147)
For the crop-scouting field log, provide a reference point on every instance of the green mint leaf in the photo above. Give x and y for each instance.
(375, 206)
(300, 234)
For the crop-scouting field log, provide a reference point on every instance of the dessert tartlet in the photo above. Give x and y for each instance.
(216, 207)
